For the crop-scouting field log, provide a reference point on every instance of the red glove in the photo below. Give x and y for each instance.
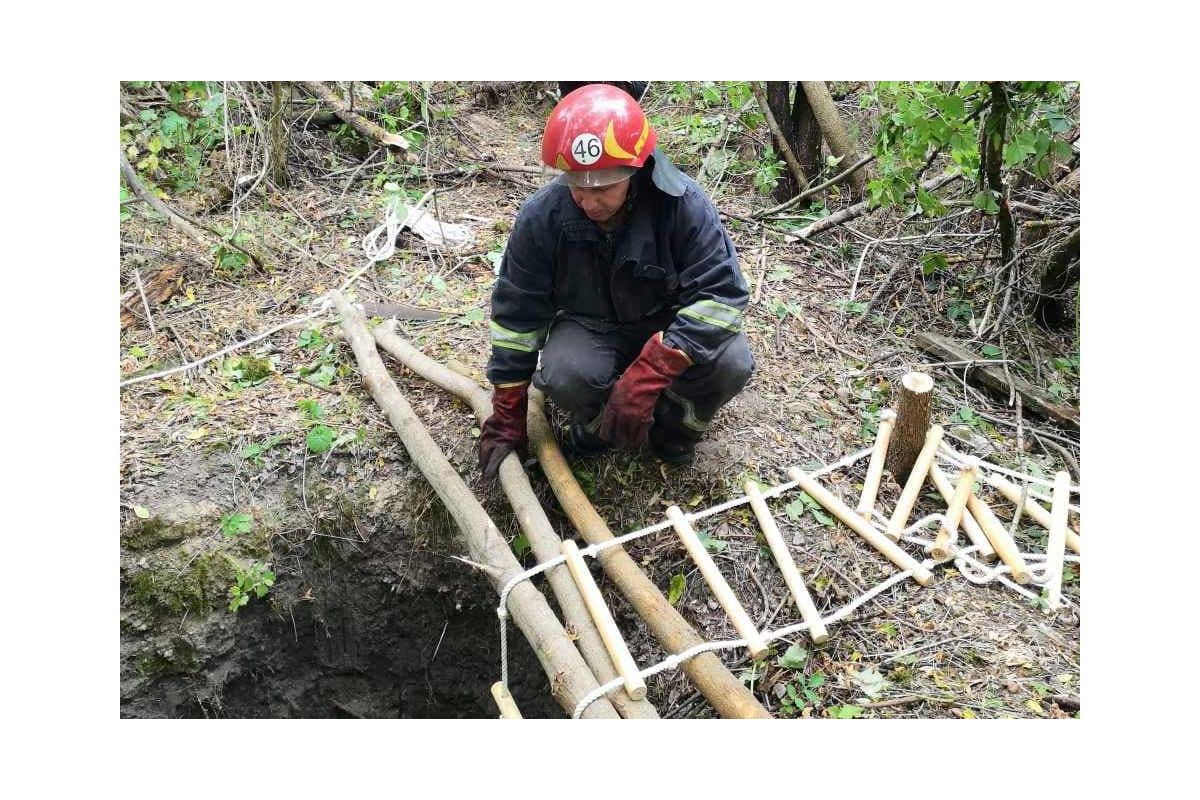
(504, 431)
(630, 410)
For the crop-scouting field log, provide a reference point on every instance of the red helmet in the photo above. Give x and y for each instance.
(597, 135)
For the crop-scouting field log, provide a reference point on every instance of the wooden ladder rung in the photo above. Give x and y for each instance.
(610, 634)
(717, 583)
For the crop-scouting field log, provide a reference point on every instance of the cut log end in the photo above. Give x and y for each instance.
(918, 382)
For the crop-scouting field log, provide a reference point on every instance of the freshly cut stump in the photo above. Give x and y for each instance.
(912, 422)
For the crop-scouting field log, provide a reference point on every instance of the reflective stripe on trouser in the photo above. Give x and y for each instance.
(579, 367)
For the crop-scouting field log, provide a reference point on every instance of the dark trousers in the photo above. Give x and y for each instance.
(579, 366)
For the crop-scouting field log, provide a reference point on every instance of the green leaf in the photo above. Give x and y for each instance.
(870, 681)
(985, 200)
(312, 409)
(141, 512)
(845, 712)
(310, 338)
(676, 589)
(933, 263)
(822, 517)
(235, 524)
(816, 680)
(712, 544)
(795, 509)
(520, 545)
(319, 439)
(793, 658)
(990, 350)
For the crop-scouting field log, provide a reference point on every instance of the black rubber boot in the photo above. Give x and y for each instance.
(580, 443)
(671, 441)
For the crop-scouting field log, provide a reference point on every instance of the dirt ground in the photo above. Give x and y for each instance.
(372, 615)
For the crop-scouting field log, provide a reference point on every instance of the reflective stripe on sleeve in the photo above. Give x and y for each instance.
(714, 313)
(528, 342)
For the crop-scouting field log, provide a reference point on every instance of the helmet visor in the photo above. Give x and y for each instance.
(598, 177)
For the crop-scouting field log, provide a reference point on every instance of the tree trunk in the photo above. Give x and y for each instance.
(912, 423)
(1062, 272)
(277, 135)
(835, 132)
(806, 134)
(570, 678)
(782, 146)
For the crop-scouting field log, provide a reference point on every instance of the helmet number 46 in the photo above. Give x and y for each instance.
(586, 149)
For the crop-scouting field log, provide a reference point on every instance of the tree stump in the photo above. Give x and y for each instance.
(912, 422)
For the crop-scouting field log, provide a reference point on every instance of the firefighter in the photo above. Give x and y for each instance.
(621, 277)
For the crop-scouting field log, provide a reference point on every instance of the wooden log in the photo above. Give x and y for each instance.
(364, 126)
(570, 678)
(946, 541)
(1002, 543)
(912, 487)
(504, 701)
(717, 583)
(728, 695)
(912, 423)
(531, 517)
(158, 290)
(854, 522)
(1057, 540)
(993, 378)
(984, 550)
(866, 504)
(783, 557)
(618, 651)
(1036, 511)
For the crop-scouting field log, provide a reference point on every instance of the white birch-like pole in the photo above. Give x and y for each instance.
(717, 583)
(946, 541)
(912, 487)
(504, 701)
(1004, 545)
(887, 419)
(854, 522)
(1036, 511)
(1057, 540)
(618, 651)
(984, 550)
(783, 557)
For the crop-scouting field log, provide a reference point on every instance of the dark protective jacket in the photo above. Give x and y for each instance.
(671, 259)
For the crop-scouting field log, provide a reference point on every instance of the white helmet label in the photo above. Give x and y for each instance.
(586, 149)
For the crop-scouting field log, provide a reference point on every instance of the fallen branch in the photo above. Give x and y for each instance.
(570, 677)
(858, 209)
(361, 124)
(188, 226)
(728, 695)
(1034, 399)
(812, 190)
(530, 516)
